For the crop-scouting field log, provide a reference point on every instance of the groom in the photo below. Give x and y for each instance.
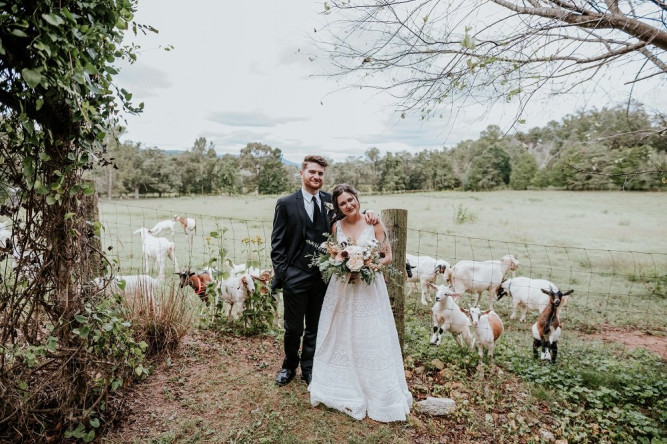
(300, 217)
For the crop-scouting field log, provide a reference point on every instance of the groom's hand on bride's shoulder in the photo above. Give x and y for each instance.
(372, 217)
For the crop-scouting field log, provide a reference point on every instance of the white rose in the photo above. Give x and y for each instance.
(355, 263)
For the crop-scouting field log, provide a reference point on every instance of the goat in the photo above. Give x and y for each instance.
(488, 327)
(527, 294)
(235, 290)
(163, 225)
(157, 248)
(476, 277)
(134, 288)
(5, 234)
(199, 283)
(425, 270)
(548, 326)
(448, 316)
(189, 225)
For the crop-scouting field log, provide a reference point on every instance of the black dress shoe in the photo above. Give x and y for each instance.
(307, 376)
(284, 376)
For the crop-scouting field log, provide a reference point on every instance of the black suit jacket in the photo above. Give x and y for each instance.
(288, 237)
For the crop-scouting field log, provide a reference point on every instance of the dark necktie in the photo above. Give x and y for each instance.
(316, 211)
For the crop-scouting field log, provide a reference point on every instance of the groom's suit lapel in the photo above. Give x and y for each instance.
(301, 209)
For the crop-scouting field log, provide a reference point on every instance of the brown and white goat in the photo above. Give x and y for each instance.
(189, 225)
(198, 282)
(234, 291)
(548, 326)
(488, 327)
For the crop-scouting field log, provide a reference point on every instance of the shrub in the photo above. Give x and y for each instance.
(163, 324)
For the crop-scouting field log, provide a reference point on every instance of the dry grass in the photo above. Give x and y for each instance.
(161, 322)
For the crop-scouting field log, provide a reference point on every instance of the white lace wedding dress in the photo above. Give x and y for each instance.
(358, 367)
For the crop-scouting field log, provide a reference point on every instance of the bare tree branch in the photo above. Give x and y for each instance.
(426, 51)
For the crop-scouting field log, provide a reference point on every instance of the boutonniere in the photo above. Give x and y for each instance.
(328, 206)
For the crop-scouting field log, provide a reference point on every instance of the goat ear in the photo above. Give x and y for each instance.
(568, 292)
(464, 310)
(486, 312)
(545, 291)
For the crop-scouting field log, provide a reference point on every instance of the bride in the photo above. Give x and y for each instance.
(358, 367)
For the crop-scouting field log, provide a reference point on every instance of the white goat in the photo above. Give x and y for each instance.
(527, 293)
(448, 316)
(5, 234)
(235, 290)
(135, 288)
(158, 249)
(476, 277)
(425, 270)
(488, 327)
(163, 225)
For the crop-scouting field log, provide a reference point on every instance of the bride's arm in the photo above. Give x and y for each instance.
(385, 247)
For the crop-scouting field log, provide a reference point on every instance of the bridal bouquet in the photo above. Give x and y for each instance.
(347, 260)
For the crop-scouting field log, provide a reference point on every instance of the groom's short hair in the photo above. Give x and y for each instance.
(321, 161)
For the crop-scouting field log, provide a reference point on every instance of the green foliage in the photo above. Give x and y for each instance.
(59, 104)
(464, 215)
(625, 399)
(594, 150)
(258, 159)
(523, 172)
(488, 170)
(260, 308)
(105, 336)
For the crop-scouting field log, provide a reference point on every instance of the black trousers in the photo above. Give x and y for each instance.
(303, 294)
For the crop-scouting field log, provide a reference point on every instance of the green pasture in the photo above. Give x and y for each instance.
(610, 247)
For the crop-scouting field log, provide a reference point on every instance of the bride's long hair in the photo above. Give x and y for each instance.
(335, 194)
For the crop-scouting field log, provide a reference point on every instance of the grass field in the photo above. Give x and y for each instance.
(610, 247)
(609, 384)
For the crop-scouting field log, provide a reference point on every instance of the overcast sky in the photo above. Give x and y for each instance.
(241, 71)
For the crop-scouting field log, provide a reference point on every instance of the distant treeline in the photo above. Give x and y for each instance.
(606, 149)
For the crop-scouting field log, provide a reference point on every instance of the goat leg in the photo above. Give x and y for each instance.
(536, 345)
(554, 352)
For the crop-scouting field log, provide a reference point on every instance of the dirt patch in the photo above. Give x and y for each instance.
(221, 389)
(632, 339)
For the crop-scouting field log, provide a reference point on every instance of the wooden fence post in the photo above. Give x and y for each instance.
(396, 222)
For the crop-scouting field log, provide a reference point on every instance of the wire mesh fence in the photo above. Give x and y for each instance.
(622, 288)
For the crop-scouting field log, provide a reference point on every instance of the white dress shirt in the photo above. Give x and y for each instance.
(308, 200)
